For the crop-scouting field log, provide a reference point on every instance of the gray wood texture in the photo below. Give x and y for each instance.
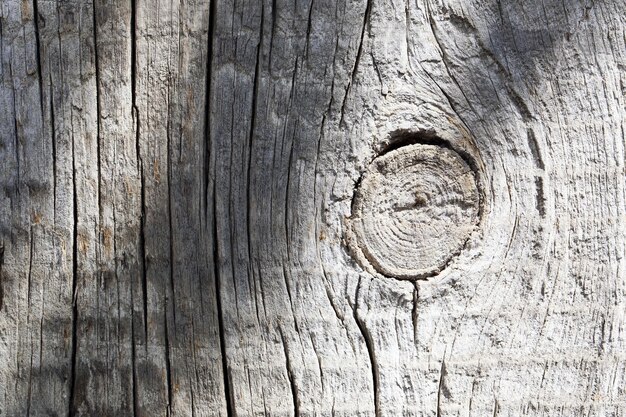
(176, 188)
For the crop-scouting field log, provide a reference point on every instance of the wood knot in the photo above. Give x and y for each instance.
(413, 211)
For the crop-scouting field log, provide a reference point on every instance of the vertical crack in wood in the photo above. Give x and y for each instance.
(228, 394)
(442, 373)
(169, 291)
(290, 375)
(140, 167)
(133, 359)
(289, 162)
(168, 370)
(308, 30)
(54, 149)
(207, 104)
(359, 53)
(38, 52)
(444, 61)
(407, 22)
(30, 266)
(534, 149)
(540, 202)
(415, 312)
(209, 151)
(143, 256)
(16, 139)
(288, 288)
(253, 108)
(98, 110)
(144, 261)
(369, 344)
(142, 232)
(273, 32)
(28, 298)
(73, 349)
(331, 295)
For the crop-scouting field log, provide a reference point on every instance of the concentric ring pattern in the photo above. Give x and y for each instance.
(414, 210)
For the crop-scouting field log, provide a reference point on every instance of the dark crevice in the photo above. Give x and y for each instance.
(292, 381)
(144, 260)
(468, 29)
(133, 50)
(444, 58)
(290, 160)
(308, 30)
(496, 408)
(462, 23)
(250, 149)
(519, 103)
(534, 149)
(287, 199)
(357, 185)
(228, 392)
(253, 275)
(359, 53)
(540, 197)
(415, 311)
(331, 299)
(208, 87)
(369, 344)
(133, 360)
(192, 399)
(30, 265)
(98, 110)
(168, 361)
(230, 400)
(168, 367)
(30, 379)
(407, 31)
(54, 150)
(273, 32)
(379, 75)
(38, 52)
(400, 138)
(288, 287)
(74, 348)
(140, 170)
(169, 291)
(440, 387)
(16, 139)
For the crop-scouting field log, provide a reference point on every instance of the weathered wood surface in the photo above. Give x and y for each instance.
(177, 177)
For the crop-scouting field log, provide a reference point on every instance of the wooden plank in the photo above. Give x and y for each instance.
(177, 208)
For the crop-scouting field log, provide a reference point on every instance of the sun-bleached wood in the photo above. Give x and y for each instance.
(176, 183)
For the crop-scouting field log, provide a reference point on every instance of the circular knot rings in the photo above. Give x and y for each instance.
(413, 211)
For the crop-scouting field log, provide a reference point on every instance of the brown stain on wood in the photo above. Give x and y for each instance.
(27, 11)
(83, 243)
(107, 239)
(156, 172)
